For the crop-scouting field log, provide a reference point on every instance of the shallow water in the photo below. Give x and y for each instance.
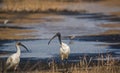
(41, 50)
(68, 25)
(77, 25)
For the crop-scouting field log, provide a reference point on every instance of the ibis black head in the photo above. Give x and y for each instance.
(56, 35)
(20, 44)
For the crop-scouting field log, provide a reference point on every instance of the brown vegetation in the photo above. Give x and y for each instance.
(14, 33)
(116, 13)
(30, 5)
(102, 65)
(110, 25)
(20, 18)
(111, 3)
(110, 32)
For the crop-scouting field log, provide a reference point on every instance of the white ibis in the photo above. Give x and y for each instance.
(14, 59)
(64, 48)
(6, 21)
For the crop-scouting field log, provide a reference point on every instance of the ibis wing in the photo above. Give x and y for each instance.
(8, 62)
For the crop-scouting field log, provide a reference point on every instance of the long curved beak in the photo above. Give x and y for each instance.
(56, 35)
(24, 46)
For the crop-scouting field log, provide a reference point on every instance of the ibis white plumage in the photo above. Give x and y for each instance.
(6, 21)
(14, 59)
(64, 48)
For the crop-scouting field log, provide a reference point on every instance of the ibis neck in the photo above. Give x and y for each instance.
(18, 50)
(59, 37)
(62, 45)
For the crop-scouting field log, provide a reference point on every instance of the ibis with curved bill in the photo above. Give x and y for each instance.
(64, 48)
(13, 60)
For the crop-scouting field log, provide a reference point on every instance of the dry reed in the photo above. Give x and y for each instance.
(103, 64)
(31, 5)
